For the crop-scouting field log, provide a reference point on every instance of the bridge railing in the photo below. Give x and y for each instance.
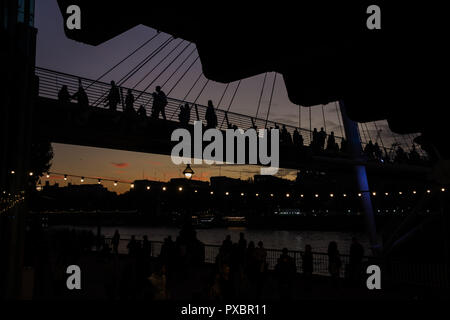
(420, 274)
(320, 260)
(50, 82)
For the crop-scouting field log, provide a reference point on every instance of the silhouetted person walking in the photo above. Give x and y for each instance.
(129, 101)
(115, 242)
(322, 135)
(334, 263)
(285, 270)
(344, 146)
(227, 244)
(64, 96)
(369, 150)
(210, 117)
(377, 151)
(113, 97)
(242, 242)
(133, 247)
(331, 142)
(297, 138)
(185, 114)
(146, 247)
(285, 136)
(81, 96)
(142, 113)
(159, 103)
(315, 140)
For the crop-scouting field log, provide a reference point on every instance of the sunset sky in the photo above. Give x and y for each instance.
(56, 52)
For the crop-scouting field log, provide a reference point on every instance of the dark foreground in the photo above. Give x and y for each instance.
(114, 277)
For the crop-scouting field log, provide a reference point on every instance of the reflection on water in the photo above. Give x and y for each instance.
(272, 239)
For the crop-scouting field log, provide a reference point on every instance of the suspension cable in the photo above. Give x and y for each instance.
(121, 61)
(156, 66)
(323, 117)
(183, 75)
(195, 82)
(270, 101)
(379, 135)
(223, 94)
(170, 64)
(231, 102)
(201, 91)
(368, 132)
(141, 64)
(187, 94)
(310, 126)
(136, 68)
(339, 119)
(361, 129)
(299, 116)
(182, 63)
(164, 70)
(198, 96)
(260, 95)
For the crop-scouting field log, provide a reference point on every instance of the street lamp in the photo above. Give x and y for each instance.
(188, 172)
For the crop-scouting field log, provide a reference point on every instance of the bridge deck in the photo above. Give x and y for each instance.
(100, 127)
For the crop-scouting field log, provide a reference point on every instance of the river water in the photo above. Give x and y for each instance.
(272, 239)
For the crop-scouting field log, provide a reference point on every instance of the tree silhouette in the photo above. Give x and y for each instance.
(41, 158)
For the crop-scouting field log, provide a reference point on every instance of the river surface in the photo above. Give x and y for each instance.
(272, 239)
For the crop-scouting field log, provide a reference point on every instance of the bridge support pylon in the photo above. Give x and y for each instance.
(355, 149)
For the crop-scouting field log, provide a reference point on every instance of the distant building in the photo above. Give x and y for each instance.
(145, 185)
(188, 183)
(222, 183)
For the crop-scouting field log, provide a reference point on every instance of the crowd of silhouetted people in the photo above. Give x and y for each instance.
(241, 268)
(321, 142)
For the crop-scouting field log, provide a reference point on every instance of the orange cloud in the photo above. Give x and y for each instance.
(120, 164)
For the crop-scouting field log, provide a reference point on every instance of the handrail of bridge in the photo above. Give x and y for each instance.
(51, 81)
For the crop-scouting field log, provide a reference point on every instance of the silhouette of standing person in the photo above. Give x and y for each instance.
(129, 101)
(377, 151)
(315, 140)
(242, 241)
(285, 136)
(146, 248)
(142, 113)
(133, 247)
(369, 150)
(113, 97)
(297, 138)
(64, 96)
(285, 271)
(210, 117)
(81, 96)
(322, 138)
(334, 263)
(115, 241)
(159, 103)
(331, 142)
(185, 114)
